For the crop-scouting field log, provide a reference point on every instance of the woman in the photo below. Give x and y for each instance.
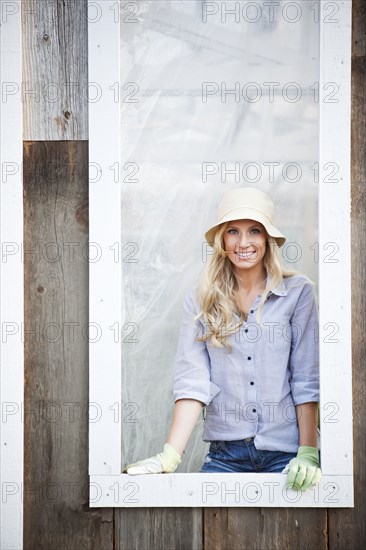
(248, 352)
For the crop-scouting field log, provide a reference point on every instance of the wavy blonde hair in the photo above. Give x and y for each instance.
(217, 284)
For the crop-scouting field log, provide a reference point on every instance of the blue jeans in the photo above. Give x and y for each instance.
(242, 456)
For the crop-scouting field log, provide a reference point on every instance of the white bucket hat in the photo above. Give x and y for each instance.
(246, 203)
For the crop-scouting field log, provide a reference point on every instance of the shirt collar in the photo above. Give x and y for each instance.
(279, 290)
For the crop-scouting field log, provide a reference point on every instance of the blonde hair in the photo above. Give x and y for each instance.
(217, 284)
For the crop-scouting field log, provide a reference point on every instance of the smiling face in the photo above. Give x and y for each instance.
(245, 244)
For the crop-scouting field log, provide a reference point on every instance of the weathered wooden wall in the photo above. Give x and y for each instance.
(56, 513)
(55, 74)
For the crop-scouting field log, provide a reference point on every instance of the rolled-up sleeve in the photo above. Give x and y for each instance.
(304, 356)
(192, 370)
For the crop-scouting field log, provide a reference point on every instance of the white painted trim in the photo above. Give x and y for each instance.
(105, 275)
(335, 309)
(108, 487)
(201, 490)
(11, 279)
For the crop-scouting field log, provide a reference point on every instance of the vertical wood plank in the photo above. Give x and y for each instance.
(159, 529)
(56, 494)
(55, 69)
(347, 527)
(265, 528)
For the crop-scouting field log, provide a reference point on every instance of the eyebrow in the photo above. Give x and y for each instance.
(236, 227)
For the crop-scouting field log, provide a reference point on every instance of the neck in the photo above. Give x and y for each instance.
(251, 280)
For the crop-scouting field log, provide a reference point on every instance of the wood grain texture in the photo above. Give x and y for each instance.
(55, 70)
(159, 529)
(347, 527)
(265, 529)
(56, 500)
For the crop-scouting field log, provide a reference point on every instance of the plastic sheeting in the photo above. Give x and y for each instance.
(209, 102)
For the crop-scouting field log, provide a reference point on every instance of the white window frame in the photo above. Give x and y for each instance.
(108, 486)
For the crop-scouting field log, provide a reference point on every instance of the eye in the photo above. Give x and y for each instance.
(256, 229)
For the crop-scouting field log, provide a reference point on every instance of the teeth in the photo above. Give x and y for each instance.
(245, 255)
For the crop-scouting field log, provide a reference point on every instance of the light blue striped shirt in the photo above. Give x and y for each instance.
(252, 391)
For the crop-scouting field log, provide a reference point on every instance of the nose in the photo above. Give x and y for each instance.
(245, 242)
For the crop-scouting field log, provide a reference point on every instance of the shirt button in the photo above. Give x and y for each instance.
(252, 311)
(254, 410)
(246, 330)
(249, 358)
(251, 383)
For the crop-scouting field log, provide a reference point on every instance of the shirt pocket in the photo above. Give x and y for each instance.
(276, 333)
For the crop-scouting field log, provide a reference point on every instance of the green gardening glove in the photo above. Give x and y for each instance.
(167, 461)
(303, 471)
